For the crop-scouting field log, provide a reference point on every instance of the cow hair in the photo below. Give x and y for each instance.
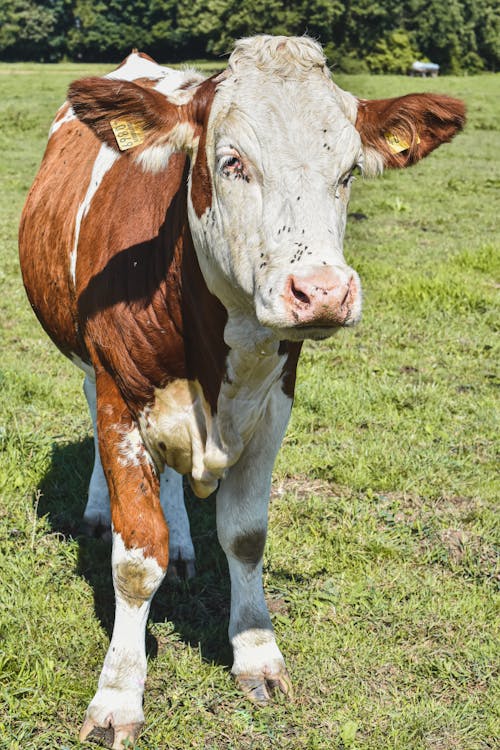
(280, 55)
(288, 57)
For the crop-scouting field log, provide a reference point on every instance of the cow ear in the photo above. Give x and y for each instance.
(123, 114)
(405, 129)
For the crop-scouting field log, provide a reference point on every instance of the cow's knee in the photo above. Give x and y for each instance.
(136, 577)
(248, 546)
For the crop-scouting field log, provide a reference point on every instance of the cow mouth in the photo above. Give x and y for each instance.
(315, 332)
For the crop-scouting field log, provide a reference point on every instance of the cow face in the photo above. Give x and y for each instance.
(273, 145)
(281, 152)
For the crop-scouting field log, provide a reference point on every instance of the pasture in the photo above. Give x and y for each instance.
(381, 565)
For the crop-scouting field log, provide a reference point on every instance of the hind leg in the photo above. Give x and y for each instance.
(97, 514)
(181, 548)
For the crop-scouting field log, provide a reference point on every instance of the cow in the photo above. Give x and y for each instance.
(183, 237)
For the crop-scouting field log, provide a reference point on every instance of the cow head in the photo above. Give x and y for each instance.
(274, 144)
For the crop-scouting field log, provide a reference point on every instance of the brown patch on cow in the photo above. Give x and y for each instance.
(62, 112)
(289, 374)
(46, 233)
(201, 189)
(249, 547)
(424, 121)
(147, 83)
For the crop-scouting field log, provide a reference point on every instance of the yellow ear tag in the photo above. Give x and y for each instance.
(397, 144)
(128, 133)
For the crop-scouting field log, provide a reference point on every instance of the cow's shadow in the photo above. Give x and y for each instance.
(198, 609)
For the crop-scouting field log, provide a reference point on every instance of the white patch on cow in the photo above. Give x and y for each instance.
(169, 79)
(242, 503)
(155, 158)
(173, 79)
(180, 430)
(59, 121)
(121, 685)
(97, 511)
(180, 544)
(136, 66)
(104, 160)
(131, 447)
(255, 651)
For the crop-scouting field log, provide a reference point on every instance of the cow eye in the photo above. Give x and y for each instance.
(347, 179)
(230, 162)
(232, 166)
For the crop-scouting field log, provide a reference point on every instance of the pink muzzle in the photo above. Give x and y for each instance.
(322, 299)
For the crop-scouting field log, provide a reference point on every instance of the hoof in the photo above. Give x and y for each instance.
(260, 688)
(97, 530)
(181, 570)
(116, 738)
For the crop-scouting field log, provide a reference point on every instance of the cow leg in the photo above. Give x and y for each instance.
(242, 503)
(139, 562)
(97, 515)
(181, 548)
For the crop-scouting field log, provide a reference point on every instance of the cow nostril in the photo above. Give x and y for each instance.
(347, 293)
(299, 294)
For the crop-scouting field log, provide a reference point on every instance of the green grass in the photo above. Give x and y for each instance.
(381, 567)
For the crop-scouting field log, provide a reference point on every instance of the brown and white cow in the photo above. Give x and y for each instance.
(182, 274)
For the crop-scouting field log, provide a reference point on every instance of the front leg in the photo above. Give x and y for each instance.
(139, 562)
(97, 515)
(242, 503)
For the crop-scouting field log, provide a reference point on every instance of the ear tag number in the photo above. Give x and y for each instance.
(397, 144)
(128, 133)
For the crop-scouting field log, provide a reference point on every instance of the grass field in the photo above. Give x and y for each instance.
(381, 566)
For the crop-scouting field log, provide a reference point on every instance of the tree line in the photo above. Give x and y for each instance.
(380, 36)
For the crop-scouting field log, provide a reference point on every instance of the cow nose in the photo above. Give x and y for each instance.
(323, 298)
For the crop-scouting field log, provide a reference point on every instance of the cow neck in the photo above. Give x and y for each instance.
(181, 428)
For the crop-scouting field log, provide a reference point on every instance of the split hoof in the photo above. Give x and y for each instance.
(110, 736)
(261, 688)
(179, 570)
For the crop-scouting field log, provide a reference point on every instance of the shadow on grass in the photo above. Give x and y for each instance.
(199, 609)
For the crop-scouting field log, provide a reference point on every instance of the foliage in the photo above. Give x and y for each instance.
(34, 29)
(392, 53)
(380, 565)
(460, 35)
